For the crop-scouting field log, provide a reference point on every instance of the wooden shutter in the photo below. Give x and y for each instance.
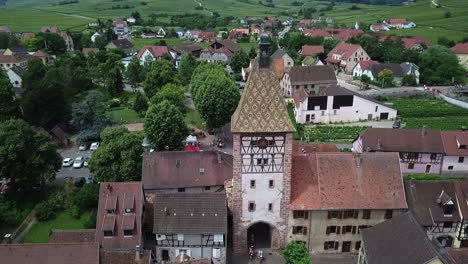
(325, 246)
(304, 230)
(306, 215)
(329, 214)
(336, 244)
(356, 213)
(338, 229)
(354, 229)
(328, 230)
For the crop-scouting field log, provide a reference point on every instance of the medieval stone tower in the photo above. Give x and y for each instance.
(262, 160)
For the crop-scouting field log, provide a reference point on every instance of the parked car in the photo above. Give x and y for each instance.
(94, 146)
(67, 162)
(90, 179)
(78, 163)
(80, 181)
(83, 146)
(396, 124)
(86, 161)
(4, 185)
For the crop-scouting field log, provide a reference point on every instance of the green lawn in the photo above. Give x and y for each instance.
(192, 117)
(123, 115)
(40, 231)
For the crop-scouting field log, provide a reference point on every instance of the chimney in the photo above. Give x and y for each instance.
(423, 131)
(137, 253)
(303, 150)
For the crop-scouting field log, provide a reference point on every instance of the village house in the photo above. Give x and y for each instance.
(461, 51)
(5, 29)
(237, 33)
(189, 48)
(374, 69)
(455, 161)
(461, 187)
(180, 33)
(14, 56)
(131, 20)
(409, 24)
(282, 61)
(410, 68)
(191, 34)
(162, 32)
(150, 53)
(15, 75)
(311, 78)
(414, 42)
(26, 36)
(190, 226)
(379, 27)
(220, 51)
(361, 67)
(344, 33)
(400, 240)
(345, 56)
(123, 44)
(420, 150)
(41, 55)
(206, 36)
(334, 104)
(395, 23)
(121, 29)
(334, 196)
(67, 38)
(93, 24)
(148, 35)
(311, 61)
(436, 205)
(308, 50)
(255, 29)
(186, 171)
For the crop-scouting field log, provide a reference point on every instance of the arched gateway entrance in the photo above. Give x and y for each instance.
(259, 235)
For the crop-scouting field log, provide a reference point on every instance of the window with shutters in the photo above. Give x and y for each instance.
(388, 214)
(333, 230)
(329, 245)
(334, 214)
(347, 229)
(366, 214)
(300, 214)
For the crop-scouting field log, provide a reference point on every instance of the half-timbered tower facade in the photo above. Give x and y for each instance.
(261, 160)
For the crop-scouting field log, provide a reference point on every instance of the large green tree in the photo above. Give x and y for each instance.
(28, 157)
(187, 65)
(9, 107)
(133, 72)
(140, 105)
(165, 127)
(161, 73)
(35, 72)
(239, 60)
(216, 99)
(119, 156)
(111, 74)
(439, 66)
(173, 93)
(53, 43)
(296, 253)
(202, 73)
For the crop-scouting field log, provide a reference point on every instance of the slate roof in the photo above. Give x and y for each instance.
(113, 195)
(72, 236)
(399, 240)
(70, 253)
(190, 213)
(308, 50)
(188, 47)
(124, 257)
(122, 43)
(181, 169)
(452, 139)
(312, 74)
(405, 140)
(261, 107)
(460, 48)
(278, 54)
(340, 181)
(422, 201)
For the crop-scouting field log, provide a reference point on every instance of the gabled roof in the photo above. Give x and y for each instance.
(72, 236)
(278, 54)
(41, 54)
(279, 67)
(343, 34)
(461, 190)
(124, 256)
(301, 148)
(340, 181)
(52, 253)
(50, 29)
(120, 21)
(460, 48)
(345, 50)
(365, 64)
(261, 107)
(232, 46)
(423, 200)
(184, 169)
(300, 96)
(459, 255)
(397, 20)
(18, 70)
(394, 67)
(308, 50)
(316, 73)
(452, 140)
(378, 27)
(113, 195)
(122, 43)
(188, 47)
(190, 213)
(26, 36)
(399, 240)
(156, 51)
(408, 67)
(206, 35)
(404, 140)
(411, 41)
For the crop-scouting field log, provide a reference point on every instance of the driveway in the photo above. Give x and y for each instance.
(66, 172)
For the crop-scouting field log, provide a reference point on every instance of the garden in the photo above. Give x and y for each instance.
(332, 133)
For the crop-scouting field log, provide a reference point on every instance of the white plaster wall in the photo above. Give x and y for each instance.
(14, 78)
(195, 253)
(286, 85)
(457, 167)
(357, 72)
(146, 57)
(262, 195)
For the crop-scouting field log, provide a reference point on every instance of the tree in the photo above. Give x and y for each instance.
(133, 72)
(202, 73)
(329, 44)
(444, 41)
(252, 53)
(84, 112)
(410, 80)
(448, 14)
(141, 103)
(439, 66)
(172, 33)
(296, 253)
(187, 66)
(217, 99)
(35, 72)
(165, 127)
(119, 156)
(53, 43)
(4, 40)
(32, 44)
(9, 107)
(100, 42)
(365, 78)
(161, 73)
(111, 72)
(93, 133)
(239, 60)
(29, 157)
(86, 197)
(386, 77)
(174, 94)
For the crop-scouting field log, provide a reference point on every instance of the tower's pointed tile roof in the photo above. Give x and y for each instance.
(262, 107)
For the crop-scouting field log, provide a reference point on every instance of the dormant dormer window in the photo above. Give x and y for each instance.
(111, 204)
(202, 170)
(108, 225)
(128, 225)
(446, 202)
(129, 203)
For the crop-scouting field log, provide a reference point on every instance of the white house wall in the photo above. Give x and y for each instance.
(14, 79)
(458, 168)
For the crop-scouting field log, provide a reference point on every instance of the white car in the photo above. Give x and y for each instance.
(67, 162)
(94, 146)
(86, 161)
(78, 163)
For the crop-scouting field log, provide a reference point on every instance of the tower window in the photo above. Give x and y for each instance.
(270, 207)
(252, 184)
(262, 161)
(271, 184)
(251, 206)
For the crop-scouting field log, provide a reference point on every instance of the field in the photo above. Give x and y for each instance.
(332, 133)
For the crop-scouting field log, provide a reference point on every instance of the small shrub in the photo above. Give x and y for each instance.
(296, 253)
(75, 212)
(45, 212)
(422, 177)
(346, 150)
(409, 80)
(10, 213)
(114, 102)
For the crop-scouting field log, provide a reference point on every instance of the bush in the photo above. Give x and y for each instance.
(91, 221)
(409, 80)
(114, 102)
(141, 103)
(45, 211)
(422, 177)
(296, 253)
(86, 198)
(10, 213)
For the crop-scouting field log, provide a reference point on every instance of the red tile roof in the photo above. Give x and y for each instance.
(460, 48)
(308, 50)
(337, 181)
(72, 236)
(156, 51)
(50, 29)
(300, 96)
(26, 36)
(72, 253)
(365, 64)
(378, 27)
(113, 195)
(206, 36)
(279, 67)
(397, 21)
(41, 54)
(461, 190)
(301, 148)
(120, 21)
(343, 34)
(411, 41)
(346, 50)
(124, 257)
(305, 21)
(180, 169)
(451, 141)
